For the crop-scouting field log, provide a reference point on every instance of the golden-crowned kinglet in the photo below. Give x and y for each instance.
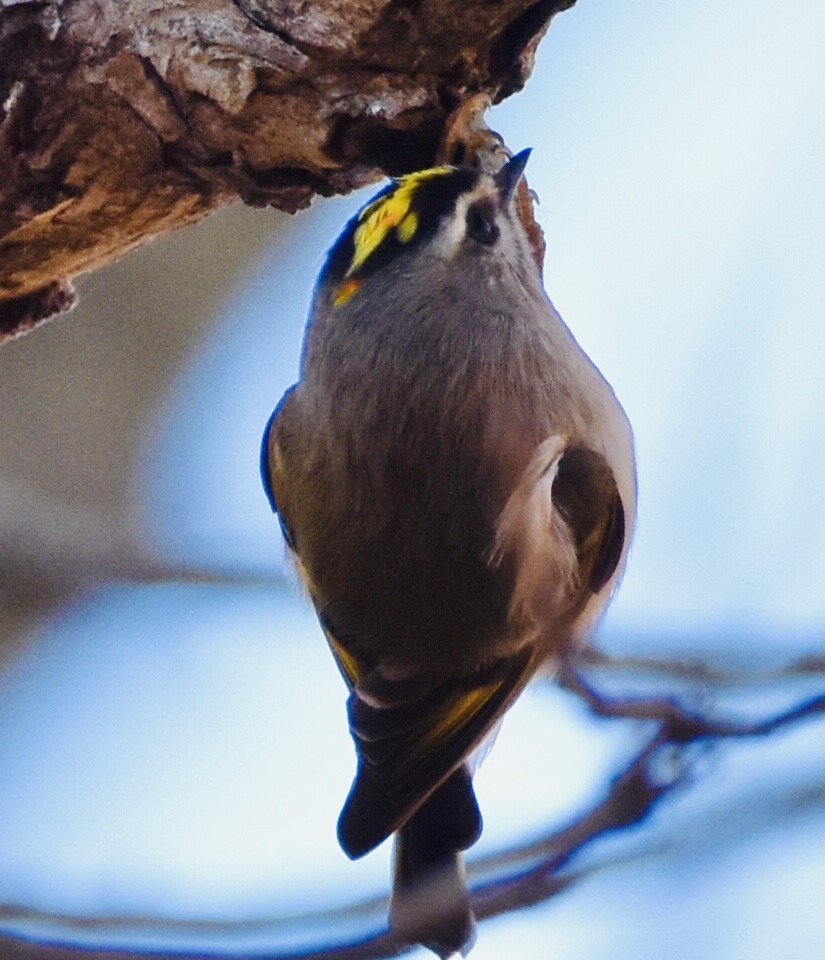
(456, 482)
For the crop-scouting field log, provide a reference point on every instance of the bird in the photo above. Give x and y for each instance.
(455, 481)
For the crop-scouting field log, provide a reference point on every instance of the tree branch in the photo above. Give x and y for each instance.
(121, 120)
(527, 874)
(51, 553)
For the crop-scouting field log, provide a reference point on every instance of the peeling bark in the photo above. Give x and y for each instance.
(121, 120)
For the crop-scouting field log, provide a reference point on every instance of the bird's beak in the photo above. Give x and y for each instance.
(508, 177)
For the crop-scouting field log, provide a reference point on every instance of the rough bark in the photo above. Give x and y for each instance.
(121, 120)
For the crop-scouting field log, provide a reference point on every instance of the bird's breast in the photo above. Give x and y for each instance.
(426, 422)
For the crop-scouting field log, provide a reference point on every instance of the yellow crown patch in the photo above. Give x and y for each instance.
(389, 212)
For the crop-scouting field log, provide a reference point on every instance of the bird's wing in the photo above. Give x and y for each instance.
(410, 736)
(266, 469)
(563, 532)
(271, 461)
(587, 497)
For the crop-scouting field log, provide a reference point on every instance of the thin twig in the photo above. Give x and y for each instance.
(680, 726)
(700, 671)
(528, 874)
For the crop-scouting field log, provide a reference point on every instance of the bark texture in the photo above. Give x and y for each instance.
(122, 119)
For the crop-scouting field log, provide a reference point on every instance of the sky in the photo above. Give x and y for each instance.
(678, 162)
(678, 156)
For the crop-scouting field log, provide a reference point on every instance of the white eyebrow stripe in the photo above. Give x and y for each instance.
(448, 239)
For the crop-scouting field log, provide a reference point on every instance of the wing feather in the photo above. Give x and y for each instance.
(407, 750)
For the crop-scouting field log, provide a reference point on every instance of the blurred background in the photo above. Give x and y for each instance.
(180, 750)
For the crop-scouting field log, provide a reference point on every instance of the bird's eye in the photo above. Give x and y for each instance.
(481, 225)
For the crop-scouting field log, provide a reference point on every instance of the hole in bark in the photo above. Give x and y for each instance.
(394, 149)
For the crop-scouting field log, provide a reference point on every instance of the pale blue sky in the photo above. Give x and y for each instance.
(678, 155)
(678, 158)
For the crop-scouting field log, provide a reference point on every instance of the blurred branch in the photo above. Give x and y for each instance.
(51, 552)
(502, 883)
(700, 671)
(120, 121)
(679, 726)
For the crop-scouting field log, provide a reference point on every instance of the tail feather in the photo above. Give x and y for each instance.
(430, 901)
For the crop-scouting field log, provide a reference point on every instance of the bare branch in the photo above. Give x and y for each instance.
(680, 726)
(122, 120)
(700, 671)
(50, 553)
(504, 882)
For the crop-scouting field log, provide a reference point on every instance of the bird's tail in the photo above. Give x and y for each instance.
(430, 900)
